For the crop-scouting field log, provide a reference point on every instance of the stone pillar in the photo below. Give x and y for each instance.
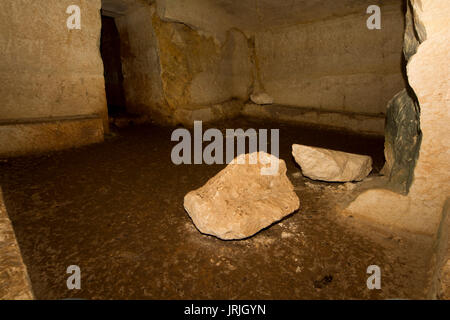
(48, 71)
(428, 75)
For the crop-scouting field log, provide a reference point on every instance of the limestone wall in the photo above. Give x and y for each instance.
(33, 136)
(197, 70)
(47, 70)
(174, 62)
(335, 64)
(140, 63)
(203, 15)
(428, 75)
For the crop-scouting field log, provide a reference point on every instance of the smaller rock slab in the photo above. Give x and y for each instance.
(261, 98)
(329, 165)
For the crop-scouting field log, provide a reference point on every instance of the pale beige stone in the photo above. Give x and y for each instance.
(142, 82)
(330, 165)
(261, 98)
(380, 205)
(440, 260)
(367, 124)
(32, 136)
(239, 201)
(445, 281)
(197, 70)
(204, 52)
(47, 70)
(205, 16)
(259, 15)
(226, 110)
(428, 74)
(336, 64)
(14, 281)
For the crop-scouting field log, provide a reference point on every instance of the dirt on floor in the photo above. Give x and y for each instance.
(116, 210)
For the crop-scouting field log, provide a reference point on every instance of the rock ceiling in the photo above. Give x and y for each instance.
(255, 15)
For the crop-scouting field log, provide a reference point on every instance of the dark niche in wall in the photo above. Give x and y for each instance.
(110, 51)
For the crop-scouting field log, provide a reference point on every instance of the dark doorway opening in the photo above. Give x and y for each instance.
(110, 51)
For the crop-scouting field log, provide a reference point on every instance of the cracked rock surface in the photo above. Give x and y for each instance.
(329, 165)
(239, 201)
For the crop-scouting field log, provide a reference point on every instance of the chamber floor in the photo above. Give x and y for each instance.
(116, 210)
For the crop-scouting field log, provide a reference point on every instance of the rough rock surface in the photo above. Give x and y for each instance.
(37, 81)
(239, 201)
(335, 64)
(427, 72)
(330, 165)
(18, 138)
(382, 205)
(196, 69)
(403, 138)
(180, 55)
(14, 281)
(352, 122)
(402, 129)
(411, 39)
(261, 98)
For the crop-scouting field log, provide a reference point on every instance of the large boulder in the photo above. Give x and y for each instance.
(240, 201)
(329, 165)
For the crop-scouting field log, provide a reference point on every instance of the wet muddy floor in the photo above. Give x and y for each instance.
(116, 210)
